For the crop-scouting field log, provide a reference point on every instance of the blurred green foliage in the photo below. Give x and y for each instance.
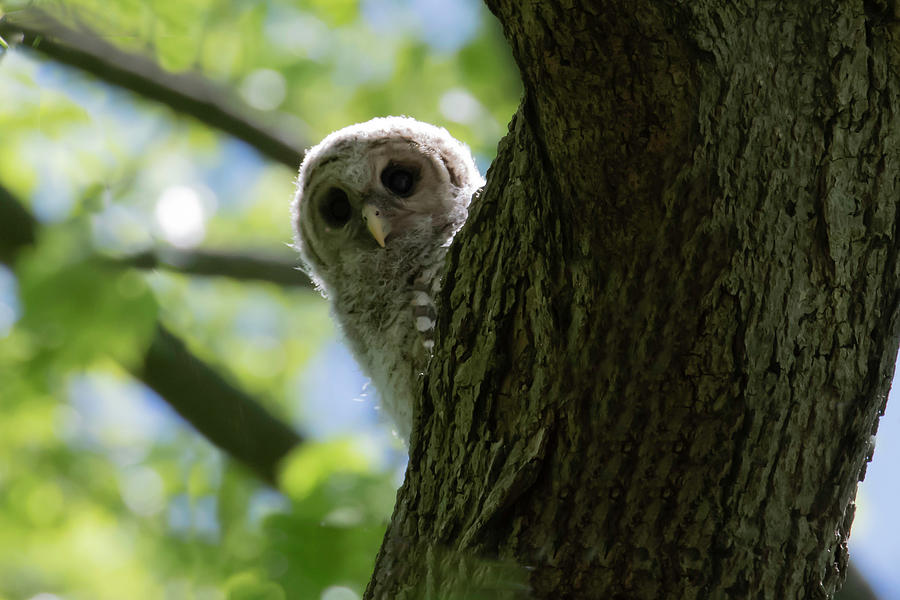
(104, 492)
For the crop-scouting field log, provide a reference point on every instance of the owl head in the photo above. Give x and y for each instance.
(375, 194)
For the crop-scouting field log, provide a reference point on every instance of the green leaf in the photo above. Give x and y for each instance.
(334, 12)
(90, 200)
(307, 467)
(251, 586)
(77, 309)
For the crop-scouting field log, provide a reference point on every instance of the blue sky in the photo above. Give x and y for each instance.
(875, 537)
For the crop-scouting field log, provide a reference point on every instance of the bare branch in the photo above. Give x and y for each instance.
(247, 265)
(18, 228)
(187, 93)
(220, 411)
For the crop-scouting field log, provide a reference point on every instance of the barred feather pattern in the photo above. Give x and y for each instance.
(425, 288)
(382, 292)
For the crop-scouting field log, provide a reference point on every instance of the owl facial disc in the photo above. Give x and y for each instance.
(406, 185)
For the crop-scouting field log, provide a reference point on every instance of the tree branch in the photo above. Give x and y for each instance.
(224, 414)
(18, 228)
(186, 93)
(247, 265)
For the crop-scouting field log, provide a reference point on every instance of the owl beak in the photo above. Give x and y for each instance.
(376, 223)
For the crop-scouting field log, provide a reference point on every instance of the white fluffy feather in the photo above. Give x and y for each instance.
(374, 292)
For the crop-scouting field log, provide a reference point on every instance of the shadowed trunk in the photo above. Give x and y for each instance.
(669, 327)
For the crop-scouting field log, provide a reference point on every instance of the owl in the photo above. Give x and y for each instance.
(377, 205)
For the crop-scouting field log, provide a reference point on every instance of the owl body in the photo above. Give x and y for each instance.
(377, 204)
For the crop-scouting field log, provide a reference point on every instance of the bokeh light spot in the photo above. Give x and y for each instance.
(142, 491)
(337, 592)
(179, 214)
(264, 89)
(460, 106)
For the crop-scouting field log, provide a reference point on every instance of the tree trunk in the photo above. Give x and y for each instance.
(669, 327)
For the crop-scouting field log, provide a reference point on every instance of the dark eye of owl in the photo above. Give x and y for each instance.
(399, 180)
(336, 207)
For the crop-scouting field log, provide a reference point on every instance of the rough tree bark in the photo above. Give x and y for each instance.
(670, 324)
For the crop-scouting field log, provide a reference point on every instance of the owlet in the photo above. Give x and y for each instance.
(376, 207)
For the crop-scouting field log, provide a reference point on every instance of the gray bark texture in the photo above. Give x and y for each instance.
(669, 326)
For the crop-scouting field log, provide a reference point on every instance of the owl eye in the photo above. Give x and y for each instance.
(399, 180)
(336, 207)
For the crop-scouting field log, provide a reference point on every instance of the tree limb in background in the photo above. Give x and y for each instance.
(251, 266)
(187, 93)
(224, 414)
(18, 227)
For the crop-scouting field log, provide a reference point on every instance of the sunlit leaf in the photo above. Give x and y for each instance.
(251, 586)
(335, 12)
(311, 464)
(78, 309)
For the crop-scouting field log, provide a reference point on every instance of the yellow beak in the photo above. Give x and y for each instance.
(376, 223)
